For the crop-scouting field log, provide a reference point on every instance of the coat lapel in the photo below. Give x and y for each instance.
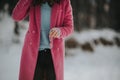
(54, 15)
(38, 17)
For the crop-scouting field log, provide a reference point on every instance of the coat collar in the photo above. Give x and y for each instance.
(53, 17)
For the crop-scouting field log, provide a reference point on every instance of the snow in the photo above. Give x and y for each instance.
(102, 64)
(89, 35)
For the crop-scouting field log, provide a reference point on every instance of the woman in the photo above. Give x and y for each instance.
(50, 21)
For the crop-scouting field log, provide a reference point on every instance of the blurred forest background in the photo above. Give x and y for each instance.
(92, 52)
(93, 14)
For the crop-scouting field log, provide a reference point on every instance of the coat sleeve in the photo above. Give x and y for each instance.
(68, 24)
(21, 9)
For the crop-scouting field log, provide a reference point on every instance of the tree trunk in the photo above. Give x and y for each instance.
(115, 14)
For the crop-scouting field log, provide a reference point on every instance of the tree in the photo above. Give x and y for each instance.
(115, 14)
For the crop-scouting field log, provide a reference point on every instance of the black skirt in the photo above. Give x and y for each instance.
(44, 68)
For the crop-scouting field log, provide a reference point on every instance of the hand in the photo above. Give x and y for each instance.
(54, 33)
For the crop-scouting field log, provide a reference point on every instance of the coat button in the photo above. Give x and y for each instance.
(33, 31)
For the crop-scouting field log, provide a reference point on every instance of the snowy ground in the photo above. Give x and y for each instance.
(103, 64)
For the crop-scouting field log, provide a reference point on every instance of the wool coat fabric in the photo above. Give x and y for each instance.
(61, 17)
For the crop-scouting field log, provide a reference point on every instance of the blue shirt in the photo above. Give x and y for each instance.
(45, 26)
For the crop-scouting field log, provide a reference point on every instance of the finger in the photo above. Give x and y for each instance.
(56, 35)
(52, 33)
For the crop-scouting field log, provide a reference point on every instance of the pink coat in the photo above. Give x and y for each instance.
(61, 18)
